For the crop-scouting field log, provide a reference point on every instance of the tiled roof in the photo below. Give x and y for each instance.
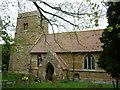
(81, 41)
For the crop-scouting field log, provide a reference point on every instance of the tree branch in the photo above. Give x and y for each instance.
(65, 12)
(39, 8)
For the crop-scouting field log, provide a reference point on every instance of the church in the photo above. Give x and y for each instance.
(69, 55)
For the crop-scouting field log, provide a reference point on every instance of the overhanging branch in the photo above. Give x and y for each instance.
(40, 9)
(59, 9)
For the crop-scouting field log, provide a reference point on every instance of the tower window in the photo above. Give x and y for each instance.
(25, 26)
(89, 62)
(39, 60)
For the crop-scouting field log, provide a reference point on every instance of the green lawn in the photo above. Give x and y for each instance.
(0, 75)
(70, 84)
(10, 77)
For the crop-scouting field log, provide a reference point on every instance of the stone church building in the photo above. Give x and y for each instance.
(69, 55)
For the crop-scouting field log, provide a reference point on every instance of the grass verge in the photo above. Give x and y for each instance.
(70, 84)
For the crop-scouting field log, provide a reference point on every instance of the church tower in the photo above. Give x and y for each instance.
(29, 29)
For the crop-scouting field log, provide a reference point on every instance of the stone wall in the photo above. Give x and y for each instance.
(91, 76)
(95, 75)
(78, 60)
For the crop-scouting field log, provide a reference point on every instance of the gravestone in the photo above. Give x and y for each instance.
(18, 80)
(5, 75)
(41, 78)
(76, 77)
(55, 79)
(31, 79)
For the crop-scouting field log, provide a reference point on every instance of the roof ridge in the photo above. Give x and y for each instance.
(75, 31)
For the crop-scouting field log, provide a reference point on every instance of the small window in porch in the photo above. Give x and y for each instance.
(39, 60)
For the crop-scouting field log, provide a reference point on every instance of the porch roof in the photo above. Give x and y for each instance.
(63, 65)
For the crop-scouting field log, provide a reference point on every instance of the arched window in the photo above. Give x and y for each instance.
(89, 62)
(39, 60)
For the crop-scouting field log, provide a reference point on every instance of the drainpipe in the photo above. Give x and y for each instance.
(73, 65)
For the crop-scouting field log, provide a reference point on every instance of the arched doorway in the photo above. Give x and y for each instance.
(49, 72)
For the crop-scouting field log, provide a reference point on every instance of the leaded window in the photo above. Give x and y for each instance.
(89, 62)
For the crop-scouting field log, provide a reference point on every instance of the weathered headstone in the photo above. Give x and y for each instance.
(4, 78)
(18, 80)
(41, 78)
(31, 79)
(76, 77)
(55, 79)
(5, 75)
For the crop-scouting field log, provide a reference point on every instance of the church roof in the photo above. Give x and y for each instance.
(80, 41)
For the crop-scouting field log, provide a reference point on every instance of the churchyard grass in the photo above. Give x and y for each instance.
(0, 75)
(10, 77)
(70, 84)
